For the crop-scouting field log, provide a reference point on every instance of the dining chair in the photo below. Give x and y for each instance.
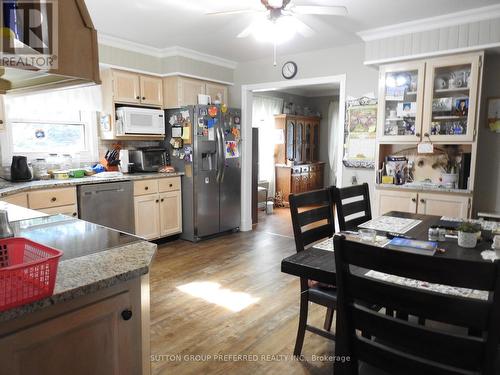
(312, 219)
(398, 346)
(357, 210)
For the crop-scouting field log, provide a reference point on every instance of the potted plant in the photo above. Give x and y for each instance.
(468, 234)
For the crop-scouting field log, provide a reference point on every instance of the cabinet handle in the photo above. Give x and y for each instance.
(146, 188)
(127, 314)
(1, 122)
(143, 98)
(422, 200)
(137, 97)
(157, 201)
(162, 199)
(74, 214)
(414, 200)
(53, 199)
(417, 134)
(170, 185)
(426, 134)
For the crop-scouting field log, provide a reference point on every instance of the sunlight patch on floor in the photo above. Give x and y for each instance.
(213, 292)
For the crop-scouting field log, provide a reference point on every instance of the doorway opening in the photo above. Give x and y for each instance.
(296, 130)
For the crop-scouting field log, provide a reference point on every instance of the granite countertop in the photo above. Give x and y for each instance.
(8, 188)
(94, 257)
(438, 189)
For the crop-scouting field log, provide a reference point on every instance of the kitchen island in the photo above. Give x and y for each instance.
(97, 320)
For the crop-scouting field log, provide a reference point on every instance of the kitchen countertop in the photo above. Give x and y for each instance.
(8, 188)
(94, 257)
(423, 188)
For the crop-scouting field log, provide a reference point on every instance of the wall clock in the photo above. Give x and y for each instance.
(289, 70)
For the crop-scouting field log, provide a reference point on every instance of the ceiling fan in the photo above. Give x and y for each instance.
(277, 10)
(278, 20)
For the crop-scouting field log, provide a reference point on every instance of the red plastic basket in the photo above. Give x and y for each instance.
(27, 271)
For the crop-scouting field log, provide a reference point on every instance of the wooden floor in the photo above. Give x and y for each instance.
(190, 335)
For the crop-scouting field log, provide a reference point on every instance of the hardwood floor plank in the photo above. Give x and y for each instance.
(183, 325)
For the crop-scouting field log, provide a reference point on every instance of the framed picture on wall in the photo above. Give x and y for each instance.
(360, 133)
(494, 114)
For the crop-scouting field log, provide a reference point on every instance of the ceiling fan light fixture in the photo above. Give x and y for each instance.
(276, 31)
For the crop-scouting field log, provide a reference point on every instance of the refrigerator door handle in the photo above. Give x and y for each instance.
(223, 155)
(219, 157)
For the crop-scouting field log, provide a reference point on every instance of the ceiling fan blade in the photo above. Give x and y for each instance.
(246, 32)
(303, 29)
(235, 11)
(319, 10)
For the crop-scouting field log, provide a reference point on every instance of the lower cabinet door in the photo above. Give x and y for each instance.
(390, 200)
(20, 199)
(170, 213)
(70, 210)
(147, 216)
(443, 205)
(99, 339)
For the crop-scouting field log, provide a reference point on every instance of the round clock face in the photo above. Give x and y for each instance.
(289, 70)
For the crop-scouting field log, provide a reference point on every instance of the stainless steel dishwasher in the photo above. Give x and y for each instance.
(108, 204)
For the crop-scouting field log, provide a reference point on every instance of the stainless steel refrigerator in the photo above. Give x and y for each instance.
(211, 160)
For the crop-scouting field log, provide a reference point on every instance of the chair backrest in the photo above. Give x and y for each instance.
(402, 347)
(357, 210)
(312, 216)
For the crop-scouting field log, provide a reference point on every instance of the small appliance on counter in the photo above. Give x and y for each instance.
(19, 169)
(124, 161)
(149, 159)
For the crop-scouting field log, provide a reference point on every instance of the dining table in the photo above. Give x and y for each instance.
(319, 264)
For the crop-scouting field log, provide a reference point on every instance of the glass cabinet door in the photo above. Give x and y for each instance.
(451, 98)
(400, 102)
(290, 139)
(315, 143)
(307, 142)
(298, 141)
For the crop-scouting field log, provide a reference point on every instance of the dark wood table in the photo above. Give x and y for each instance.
(319, 265)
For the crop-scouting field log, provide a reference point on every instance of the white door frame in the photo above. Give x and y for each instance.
(246, 134)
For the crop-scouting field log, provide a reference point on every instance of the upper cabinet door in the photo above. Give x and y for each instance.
(215, 91)
(189, 90)
(401, 89)
(151, 91)
(451, 97)
(126, 87)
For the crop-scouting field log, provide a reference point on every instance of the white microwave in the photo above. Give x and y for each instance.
(133, 120)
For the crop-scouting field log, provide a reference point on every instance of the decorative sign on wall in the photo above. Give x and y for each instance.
(494, 114)
(360, 133)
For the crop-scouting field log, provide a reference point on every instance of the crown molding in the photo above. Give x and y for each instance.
(112, 41)
(432, 23)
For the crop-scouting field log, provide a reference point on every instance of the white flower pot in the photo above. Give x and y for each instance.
(467, 240)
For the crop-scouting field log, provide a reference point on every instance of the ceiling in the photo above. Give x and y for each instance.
(168, 23)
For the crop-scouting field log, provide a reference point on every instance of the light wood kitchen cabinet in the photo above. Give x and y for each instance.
(443, 205)
(126, 87)
(20, 199)
(399, 85)
(38, 199)
(390, 200)
(133, 88)
(151, 91)
(439, 204)
(170, 213)
(110, 327)
(70, 210)
(216, 89)
(451, 97)
(158, 207)
(182, 91)
(147, 216)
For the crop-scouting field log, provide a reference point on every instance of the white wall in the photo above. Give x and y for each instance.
(348, 60)
(487, 189)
